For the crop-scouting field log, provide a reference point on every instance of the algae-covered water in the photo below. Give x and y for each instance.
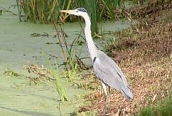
(18, 48)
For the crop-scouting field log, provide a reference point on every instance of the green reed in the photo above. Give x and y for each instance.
(47, 11)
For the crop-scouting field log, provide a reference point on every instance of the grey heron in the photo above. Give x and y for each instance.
(107, 71)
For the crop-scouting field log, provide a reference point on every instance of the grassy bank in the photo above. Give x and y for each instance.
(143, 53)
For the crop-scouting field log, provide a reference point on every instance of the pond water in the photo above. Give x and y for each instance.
(18, 47)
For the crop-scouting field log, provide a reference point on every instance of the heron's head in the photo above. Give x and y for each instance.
(77, 12)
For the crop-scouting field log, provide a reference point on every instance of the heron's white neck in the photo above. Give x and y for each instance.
(90, 43)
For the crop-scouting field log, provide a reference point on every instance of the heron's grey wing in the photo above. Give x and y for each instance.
(108, 71)
(110, 64)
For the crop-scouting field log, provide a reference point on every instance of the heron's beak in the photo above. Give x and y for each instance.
(67, 11)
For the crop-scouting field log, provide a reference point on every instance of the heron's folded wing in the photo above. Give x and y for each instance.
(110, 64)
(108, 76)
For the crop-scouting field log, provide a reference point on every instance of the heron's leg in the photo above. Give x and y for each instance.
(106, 93)
(104, 88)
(106, 98)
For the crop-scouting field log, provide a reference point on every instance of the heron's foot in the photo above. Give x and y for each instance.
(106, 105)
(105, 108)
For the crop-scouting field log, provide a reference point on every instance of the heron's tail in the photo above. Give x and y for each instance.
(127, 93)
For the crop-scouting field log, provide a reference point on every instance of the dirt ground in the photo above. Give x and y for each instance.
(144, 56)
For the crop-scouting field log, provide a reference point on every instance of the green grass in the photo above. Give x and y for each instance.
(162, 108)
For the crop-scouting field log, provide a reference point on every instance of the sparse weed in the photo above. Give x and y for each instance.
(56, 73)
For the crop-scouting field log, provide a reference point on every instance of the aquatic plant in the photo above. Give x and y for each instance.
(11, 72)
